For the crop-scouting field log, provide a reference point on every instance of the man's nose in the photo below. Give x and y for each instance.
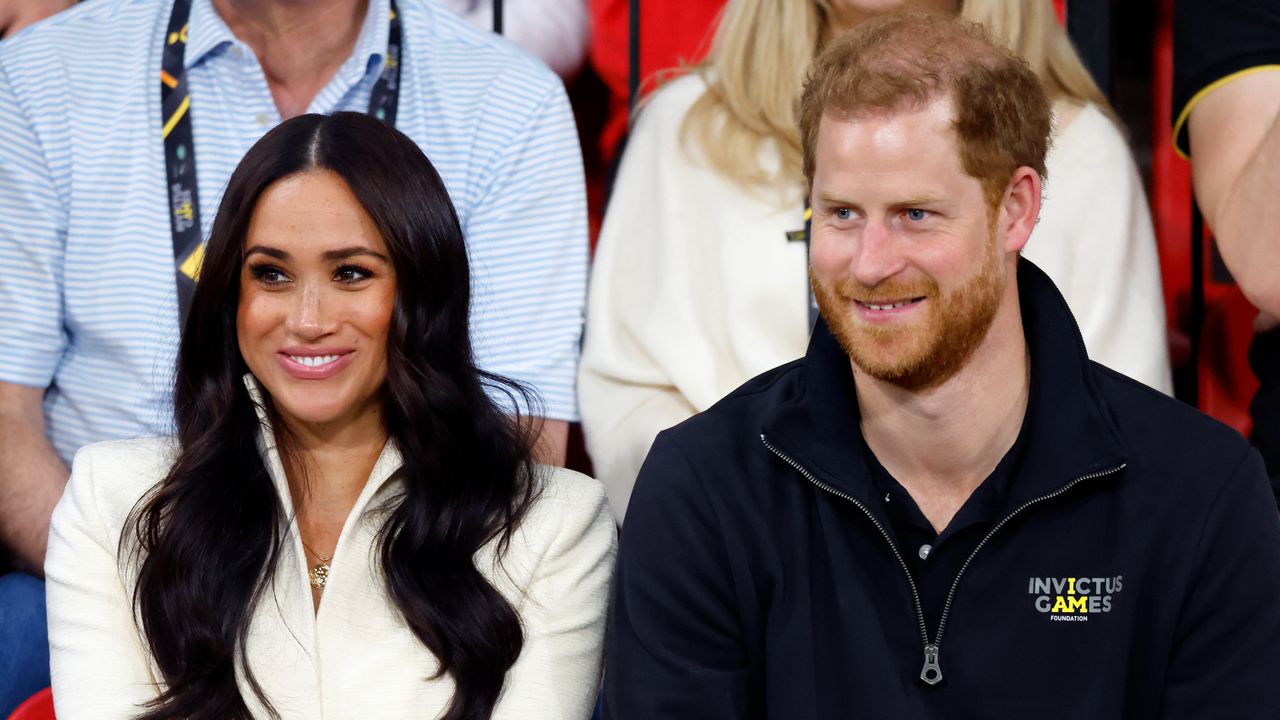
(879, 255)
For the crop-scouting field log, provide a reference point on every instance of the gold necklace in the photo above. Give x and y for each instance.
(320, 573)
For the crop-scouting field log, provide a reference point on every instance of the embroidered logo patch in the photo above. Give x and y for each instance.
(1074, 599)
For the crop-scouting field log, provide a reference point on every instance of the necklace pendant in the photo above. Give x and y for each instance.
(319, 575)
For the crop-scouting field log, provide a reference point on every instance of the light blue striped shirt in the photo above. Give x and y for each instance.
(87, 296)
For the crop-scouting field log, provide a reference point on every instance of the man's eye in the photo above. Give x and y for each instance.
(843, 214)
(916, 214)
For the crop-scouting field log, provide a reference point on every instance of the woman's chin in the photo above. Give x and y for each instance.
(311, 414)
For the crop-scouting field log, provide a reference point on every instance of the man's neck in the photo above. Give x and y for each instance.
(299, 43)
(940, 444)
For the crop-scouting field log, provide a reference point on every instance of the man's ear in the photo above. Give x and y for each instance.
(1020, 208)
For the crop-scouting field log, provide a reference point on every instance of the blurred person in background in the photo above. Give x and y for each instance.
(673, 33)
(554, 31)
(122, 122)
(700, 276)
(1226, 64)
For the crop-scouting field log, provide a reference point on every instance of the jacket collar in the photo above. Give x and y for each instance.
(1070, 432)
(384, 468)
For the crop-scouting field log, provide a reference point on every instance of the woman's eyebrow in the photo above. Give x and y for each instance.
(344, 253)
(268, 251)
(329, 255)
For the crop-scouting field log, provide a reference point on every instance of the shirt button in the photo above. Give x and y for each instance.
(925, 550)
(261, 119)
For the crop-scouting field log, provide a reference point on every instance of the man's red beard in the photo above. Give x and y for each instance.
(924, 352)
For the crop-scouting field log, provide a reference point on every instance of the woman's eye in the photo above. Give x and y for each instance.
(916, 214)
(268, 274)
(351, 274)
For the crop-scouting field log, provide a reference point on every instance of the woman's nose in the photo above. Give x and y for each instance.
(311, 315)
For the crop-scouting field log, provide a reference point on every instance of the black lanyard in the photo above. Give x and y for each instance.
(804, 237)
(179, 143)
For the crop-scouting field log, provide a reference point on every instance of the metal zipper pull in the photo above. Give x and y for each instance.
(932, 672)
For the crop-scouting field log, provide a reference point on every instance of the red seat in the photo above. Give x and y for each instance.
(36, 707)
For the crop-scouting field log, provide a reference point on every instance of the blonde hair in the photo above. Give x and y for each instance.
(754, 74)
(1030, 28)
(762, 49)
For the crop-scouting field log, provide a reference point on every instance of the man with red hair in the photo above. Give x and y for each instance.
(945, 509)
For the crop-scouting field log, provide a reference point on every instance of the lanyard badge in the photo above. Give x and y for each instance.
(803, 236)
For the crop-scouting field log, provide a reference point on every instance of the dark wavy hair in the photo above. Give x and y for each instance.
(209, 536)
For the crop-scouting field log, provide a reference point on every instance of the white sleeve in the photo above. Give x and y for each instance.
(640, 306)
(558, 672)
(1095, 240)
(98, 662)
(696, 289)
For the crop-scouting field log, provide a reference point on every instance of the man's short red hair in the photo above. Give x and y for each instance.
(904, 61)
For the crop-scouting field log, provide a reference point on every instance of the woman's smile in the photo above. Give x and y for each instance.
(314, 365)
(317, 290)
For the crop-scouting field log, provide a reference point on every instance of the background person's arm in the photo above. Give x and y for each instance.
(31, 476)
(1235, 149)
(527, 238)
(553, 443)
(33, 230)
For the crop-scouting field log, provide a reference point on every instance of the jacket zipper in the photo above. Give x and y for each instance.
(915, 592)
(931, 672)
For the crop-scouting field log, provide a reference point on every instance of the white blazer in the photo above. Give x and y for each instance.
(355, 658)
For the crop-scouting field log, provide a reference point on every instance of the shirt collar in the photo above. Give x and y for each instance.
(988, 501)
(207, 32)
(371, 46)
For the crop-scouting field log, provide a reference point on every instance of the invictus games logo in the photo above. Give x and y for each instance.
(1074, 599)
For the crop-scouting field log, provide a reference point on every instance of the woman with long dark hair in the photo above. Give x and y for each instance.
(347, 525)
